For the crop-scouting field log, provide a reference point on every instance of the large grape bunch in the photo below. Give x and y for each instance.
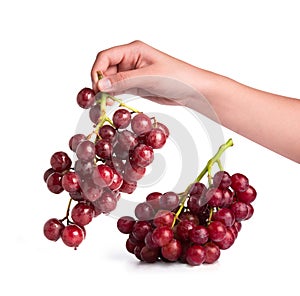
(193, 226)
(108, 161)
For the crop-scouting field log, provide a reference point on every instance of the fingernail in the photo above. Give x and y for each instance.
(104, 84)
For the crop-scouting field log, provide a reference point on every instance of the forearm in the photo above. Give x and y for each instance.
(270, 120)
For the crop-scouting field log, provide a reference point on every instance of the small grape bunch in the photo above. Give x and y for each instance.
(194, 226)
(108, 161)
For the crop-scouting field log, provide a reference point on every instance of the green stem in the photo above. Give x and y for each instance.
(179, 211)
(122, 104)
(207, 169)
(103, 116)
(213, 160)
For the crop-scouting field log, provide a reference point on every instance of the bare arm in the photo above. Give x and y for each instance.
(270, 120)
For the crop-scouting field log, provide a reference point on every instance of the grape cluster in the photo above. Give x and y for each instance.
(109, 161)
(191, 227)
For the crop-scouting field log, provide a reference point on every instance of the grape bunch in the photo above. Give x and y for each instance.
(194, 226)
(108, 161)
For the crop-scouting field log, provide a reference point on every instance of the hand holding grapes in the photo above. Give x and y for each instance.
(268, 119)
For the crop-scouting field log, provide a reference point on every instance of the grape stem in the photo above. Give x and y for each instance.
(67, 212)
(213, 160)
(207, 169)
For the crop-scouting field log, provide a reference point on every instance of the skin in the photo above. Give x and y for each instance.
(268, 119)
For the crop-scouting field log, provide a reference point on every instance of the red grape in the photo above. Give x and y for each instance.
(60, 161)
(72, 235)
(53, 228)
(125, 224)
(86, 98)
(121, 118)
(195, 255)
(141, 124)
(83, 213)
(172, 250)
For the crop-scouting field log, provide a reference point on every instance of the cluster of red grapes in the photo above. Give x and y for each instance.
(110, 160)
(192, 227)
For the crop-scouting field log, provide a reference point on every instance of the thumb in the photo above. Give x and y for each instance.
(118, 82)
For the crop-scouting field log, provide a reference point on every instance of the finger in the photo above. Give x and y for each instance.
(123, 55)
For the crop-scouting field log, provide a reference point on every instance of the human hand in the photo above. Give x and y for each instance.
(139, 69)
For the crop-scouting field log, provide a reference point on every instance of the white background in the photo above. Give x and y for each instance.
(47, 50)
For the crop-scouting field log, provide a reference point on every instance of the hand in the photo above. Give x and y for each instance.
(139, 69)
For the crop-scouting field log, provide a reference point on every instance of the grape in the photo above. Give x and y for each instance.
(144, 211)
(216, 230)
(90, 191)
(239, 182)
(107, 202)
(183, 229)
(149, 255)
(162, 235)
(172, 250)
(169, 201)
(195, 255)
(153, 199)
(224, 215)
(156, 138)
(60, 161)
(227, 241)
(141, 124)
(107, 132)
(121, 118)
(240, 210)
(103, 175)
(84, 168)
(197, 189)
(75, 140)
(195, 204)
(140, 230)
(212, 252)
(222, 180)
(128, 187)
(133, 172)
(53, 228)
(149, 241)
(163, 127)
(125, 224)
(250, 212)
(199, 234)
(83, 213)
(142, 155)
(247, 196)
(137, 251)
(103, 149)
(86, 150)
(228, 196)
(130, 245)
(86, 98)
(117, 181)
(54, 183)
(94, 113)
(47, 173)
(189, 217)
(127, 140)
(233, 230)
(214, 196)
(163, 218)
(71, 182)
(72, 235)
